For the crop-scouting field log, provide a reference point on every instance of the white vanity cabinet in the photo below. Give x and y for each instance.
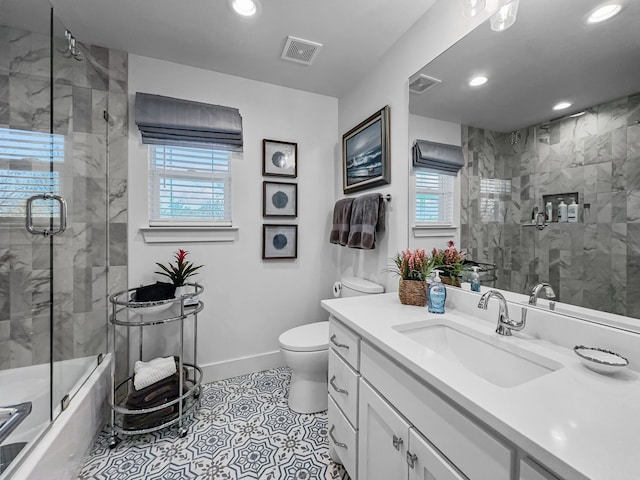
(385, 423)
(390, 448)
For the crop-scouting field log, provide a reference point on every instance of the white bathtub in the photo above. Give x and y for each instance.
(58, 453)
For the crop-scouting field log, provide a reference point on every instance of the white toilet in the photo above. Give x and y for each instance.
(305, 350)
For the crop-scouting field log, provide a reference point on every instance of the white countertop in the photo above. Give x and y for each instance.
(578, 423)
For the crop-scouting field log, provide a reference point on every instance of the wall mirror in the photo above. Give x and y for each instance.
(521, 154)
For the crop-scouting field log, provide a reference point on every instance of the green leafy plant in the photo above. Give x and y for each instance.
(179, 272)
(448, 260)
(412, 265)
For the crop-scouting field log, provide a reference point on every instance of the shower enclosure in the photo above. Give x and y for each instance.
(63, 128)
(593, 159)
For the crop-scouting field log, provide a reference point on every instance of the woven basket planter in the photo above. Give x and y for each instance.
(413, 292)
(453, 281)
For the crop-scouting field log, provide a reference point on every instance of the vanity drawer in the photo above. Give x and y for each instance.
(343, 387)
(345, 342)
(466, 444)
(343, 440)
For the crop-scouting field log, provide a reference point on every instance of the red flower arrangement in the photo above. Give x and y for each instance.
(181, 271)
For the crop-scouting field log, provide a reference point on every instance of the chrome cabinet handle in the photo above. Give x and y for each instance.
(333, 439)
(335, 342)
(397, 443)
(62, 205)
(332, 382)
(412, 458)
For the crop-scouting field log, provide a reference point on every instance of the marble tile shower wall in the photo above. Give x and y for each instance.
(594, 263)
(82, 91)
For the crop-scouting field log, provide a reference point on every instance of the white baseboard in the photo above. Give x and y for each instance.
(240, 366)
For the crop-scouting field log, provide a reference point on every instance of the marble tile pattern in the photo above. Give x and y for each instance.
(594, 263)
(85, 268)
(243, 430)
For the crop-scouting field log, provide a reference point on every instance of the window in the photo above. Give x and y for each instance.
(25, 170)
(189, 186)
(433, 198)
(494, 194)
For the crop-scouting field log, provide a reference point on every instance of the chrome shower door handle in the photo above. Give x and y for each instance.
(62, 205)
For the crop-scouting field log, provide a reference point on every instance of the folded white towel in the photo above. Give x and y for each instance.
(148, 373)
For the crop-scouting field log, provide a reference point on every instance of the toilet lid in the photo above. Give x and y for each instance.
(306, 338)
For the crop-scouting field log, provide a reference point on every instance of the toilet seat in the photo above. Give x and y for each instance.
(311, 337)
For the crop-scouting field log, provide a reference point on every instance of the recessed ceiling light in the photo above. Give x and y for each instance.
(579, 114)
(604, 12)
(477, 81)
(471, 8)
(246, 8)
(505, 16)
(562, 106)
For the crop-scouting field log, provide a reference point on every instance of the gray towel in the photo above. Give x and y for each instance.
(365, 213)
(341, 221)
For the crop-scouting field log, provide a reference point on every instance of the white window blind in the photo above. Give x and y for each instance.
(189, 186)
(25, 170)
(434, 197)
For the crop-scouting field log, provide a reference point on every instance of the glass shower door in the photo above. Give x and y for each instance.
(27, 151)
(80, 92)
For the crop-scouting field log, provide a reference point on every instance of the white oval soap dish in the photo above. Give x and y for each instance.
(600, 360)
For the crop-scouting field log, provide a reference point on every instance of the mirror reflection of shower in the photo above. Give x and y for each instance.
(73, 49)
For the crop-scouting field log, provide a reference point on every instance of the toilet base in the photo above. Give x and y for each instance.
(308, 395)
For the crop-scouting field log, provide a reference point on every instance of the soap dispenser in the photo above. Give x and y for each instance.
(437, 294)
(562, 211)
(475, 279)
(572, 210)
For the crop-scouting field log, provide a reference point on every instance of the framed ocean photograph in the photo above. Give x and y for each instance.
(365, 153)
(279, 199)
(279, 159)
(279, 241)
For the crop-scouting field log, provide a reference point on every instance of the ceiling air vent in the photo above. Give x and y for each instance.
(420, 83)
(300, 51)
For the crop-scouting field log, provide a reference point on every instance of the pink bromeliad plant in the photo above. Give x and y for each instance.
(182, 270)
(412, 265)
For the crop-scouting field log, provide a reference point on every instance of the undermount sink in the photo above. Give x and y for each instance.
(478, 354)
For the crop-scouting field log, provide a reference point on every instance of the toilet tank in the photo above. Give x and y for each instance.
(354, 287)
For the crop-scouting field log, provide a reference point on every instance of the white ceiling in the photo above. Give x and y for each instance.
(550, 54)
(206, 33)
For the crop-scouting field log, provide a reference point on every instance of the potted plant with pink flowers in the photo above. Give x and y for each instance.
(413, 267)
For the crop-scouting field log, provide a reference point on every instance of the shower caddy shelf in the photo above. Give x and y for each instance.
(131, 314)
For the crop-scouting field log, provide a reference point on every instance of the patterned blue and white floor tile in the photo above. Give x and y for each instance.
(244, 430)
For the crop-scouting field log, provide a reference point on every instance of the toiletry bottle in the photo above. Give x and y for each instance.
(562, 211)
(437, 294)
(572, 211)
(549, 211)
(475, 279)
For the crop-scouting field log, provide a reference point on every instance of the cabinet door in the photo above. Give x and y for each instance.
(382, 438)
(426, 463)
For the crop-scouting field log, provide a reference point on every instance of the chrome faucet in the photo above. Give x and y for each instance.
(505, 324)
(535, 293)
(548, 293)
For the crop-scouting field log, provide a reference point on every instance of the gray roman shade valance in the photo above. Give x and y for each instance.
(444, 158)
(172, 121)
